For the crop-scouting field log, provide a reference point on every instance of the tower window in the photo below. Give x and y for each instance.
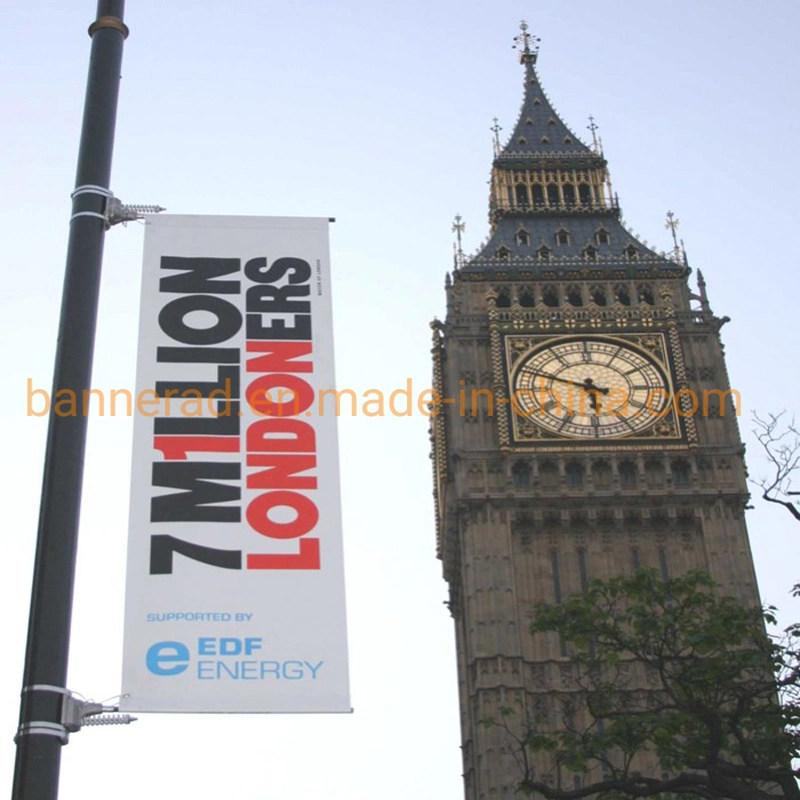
(503, 253)
(562, 236)
(631, 253)
(585, 194)
(538, 195)
(622, 295)
(602, 237)
(567, 140)
(551, 121)
(544, 254)
(680, 473)
(521, 475)
(545, 140)
(523, 237)
(522, 140)
(601, 474)
(529, 121)
(552, 194)
(527, 299)
(550, 297)
(574, 474)
(503, 299)
(537, 101)
(646, 296)
(590, 253)
(627, 475)
(599, 296)
(569, 194)
(574, 296)
(521, 192)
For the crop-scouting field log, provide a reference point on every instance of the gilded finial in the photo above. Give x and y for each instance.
(527, 44)
(597, 145)
(495, 129)
(458, 229)
(672, 225)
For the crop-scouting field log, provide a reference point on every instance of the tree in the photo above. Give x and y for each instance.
(781, 443)
(671, 674)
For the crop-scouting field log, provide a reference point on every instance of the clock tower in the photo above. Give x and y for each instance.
(586, 428)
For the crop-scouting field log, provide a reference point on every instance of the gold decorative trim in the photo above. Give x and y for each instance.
(109, 22)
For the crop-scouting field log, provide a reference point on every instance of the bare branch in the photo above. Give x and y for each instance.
(781, 443)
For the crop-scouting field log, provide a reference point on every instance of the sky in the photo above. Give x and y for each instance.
(377, 114)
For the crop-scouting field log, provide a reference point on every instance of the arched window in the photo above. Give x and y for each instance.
(552, 194)
(503, 253)
(574, 296)
(521, 192)
(628, 475)
(599, 296)
(550, 297)
(590, 253)
(585, 194)
(503, 299)
(574, 474)
(622, 295)
(654, 470)
(562, 236)
(523, 237)
(646, 295)
(527, 299)
(521, 475)
(602, 237)
(631, 253)
(569, 194)
(681, 475)
(601, 474)
(543, 253)
(538, 195)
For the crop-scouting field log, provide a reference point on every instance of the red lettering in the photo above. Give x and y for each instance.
(307, 558)
(259, 508)
(281, 435)
(280, 358)
(279, 395)
(175, 448)
(281, 472)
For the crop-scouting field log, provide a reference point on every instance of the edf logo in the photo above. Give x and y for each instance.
(172, 658)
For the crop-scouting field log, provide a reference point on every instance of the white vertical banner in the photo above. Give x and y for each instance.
(235, 587)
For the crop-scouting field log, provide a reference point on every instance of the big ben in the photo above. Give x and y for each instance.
(587, 427)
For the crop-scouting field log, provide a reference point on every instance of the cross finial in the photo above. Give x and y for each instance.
(593, 127)
(458, 229)
(672, 225)
(495, 129)
(527, 44)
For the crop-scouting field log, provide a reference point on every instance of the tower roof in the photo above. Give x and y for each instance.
(552, 207)
(539, 131)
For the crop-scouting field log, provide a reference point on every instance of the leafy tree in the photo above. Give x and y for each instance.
(671, 674)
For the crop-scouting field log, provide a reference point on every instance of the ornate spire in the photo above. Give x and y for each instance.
(539, 130)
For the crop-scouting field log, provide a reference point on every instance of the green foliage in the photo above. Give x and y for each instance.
(671, 670)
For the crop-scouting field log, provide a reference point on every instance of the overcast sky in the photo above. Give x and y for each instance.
(377, 114)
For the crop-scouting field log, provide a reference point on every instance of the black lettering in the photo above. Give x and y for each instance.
(256, 269)
(198, 355)
(226, 423)
(198, 275)
(196, 504)
(162, 547)
(172, 319)
(277, 329)
(275, 299)
(227, 381)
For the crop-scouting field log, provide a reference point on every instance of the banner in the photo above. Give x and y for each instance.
(235, 589)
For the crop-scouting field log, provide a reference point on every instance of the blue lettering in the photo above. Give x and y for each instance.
(169, 653)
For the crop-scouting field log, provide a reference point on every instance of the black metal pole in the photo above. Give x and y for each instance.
(41, 733)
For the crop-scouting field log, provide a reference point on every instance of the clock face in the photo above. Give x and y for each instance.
(590, 388)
